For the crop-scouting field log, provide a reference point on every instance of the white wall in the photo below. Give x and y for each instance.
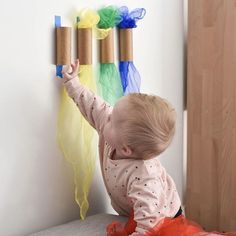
(36, 188)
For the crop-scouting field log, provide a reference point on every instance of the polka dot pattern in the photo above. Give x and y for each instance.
(131, 186)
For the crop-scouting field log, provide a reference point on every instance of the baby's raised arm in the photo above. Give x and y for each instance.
(94, 109)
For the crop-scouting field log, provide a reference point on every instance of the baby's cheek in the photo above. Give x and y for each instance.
(108, 135)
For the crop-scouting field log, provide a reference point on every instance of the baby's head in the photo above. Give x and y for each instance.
(141, 126)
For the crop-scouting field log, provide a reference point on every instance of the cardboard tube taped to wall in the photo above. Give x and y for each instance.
(63, 48)
(125, 44)
(84, 46)
(107, 48)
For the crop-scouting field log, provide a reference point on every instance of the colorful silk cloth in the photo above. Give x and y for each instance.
(109, 83)
(77, 139)
(179, 226)
(130, 77)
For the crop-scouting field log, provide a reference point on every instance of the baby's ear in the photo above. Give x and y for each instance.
(126, 151)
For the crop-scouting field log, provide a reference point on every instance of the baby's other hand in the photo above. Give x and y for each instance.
(116, 229)
(70, 75)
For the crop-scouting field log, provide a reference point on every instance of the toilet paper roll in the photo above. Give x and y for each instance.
(126, 44)
(63, 45)
(84, 46)
(107, 48)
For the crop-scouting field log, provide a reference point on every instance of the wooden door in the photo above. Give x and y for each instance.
(211, 108)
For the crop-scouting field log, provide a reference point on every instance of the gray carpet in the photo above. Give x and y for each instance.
(92, 226)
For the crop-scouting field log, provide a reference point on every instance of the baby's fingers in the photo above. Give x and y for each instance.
(77, 66)
(66, 76)
(66, 69)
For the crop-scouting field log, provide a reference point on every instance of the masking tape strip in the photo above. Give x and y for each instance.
(58, 67)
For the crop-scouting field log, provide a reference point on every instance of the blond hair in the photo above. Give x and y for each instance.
(149, 125)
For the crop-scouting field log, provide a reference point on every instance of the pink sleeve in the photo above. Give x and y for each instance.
(94, 109)
(147, 197)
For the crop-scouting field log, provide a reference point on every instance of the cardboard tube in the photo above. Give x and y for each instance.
(63, 48)
(126, 44)
(84, 46)
(107, 48)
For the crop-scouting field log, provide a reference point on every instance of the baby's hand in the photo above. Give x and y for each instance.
(70, 75)
(116, 229)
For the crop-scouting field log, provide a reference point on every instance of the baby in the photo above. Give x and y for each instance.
(131, 136)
